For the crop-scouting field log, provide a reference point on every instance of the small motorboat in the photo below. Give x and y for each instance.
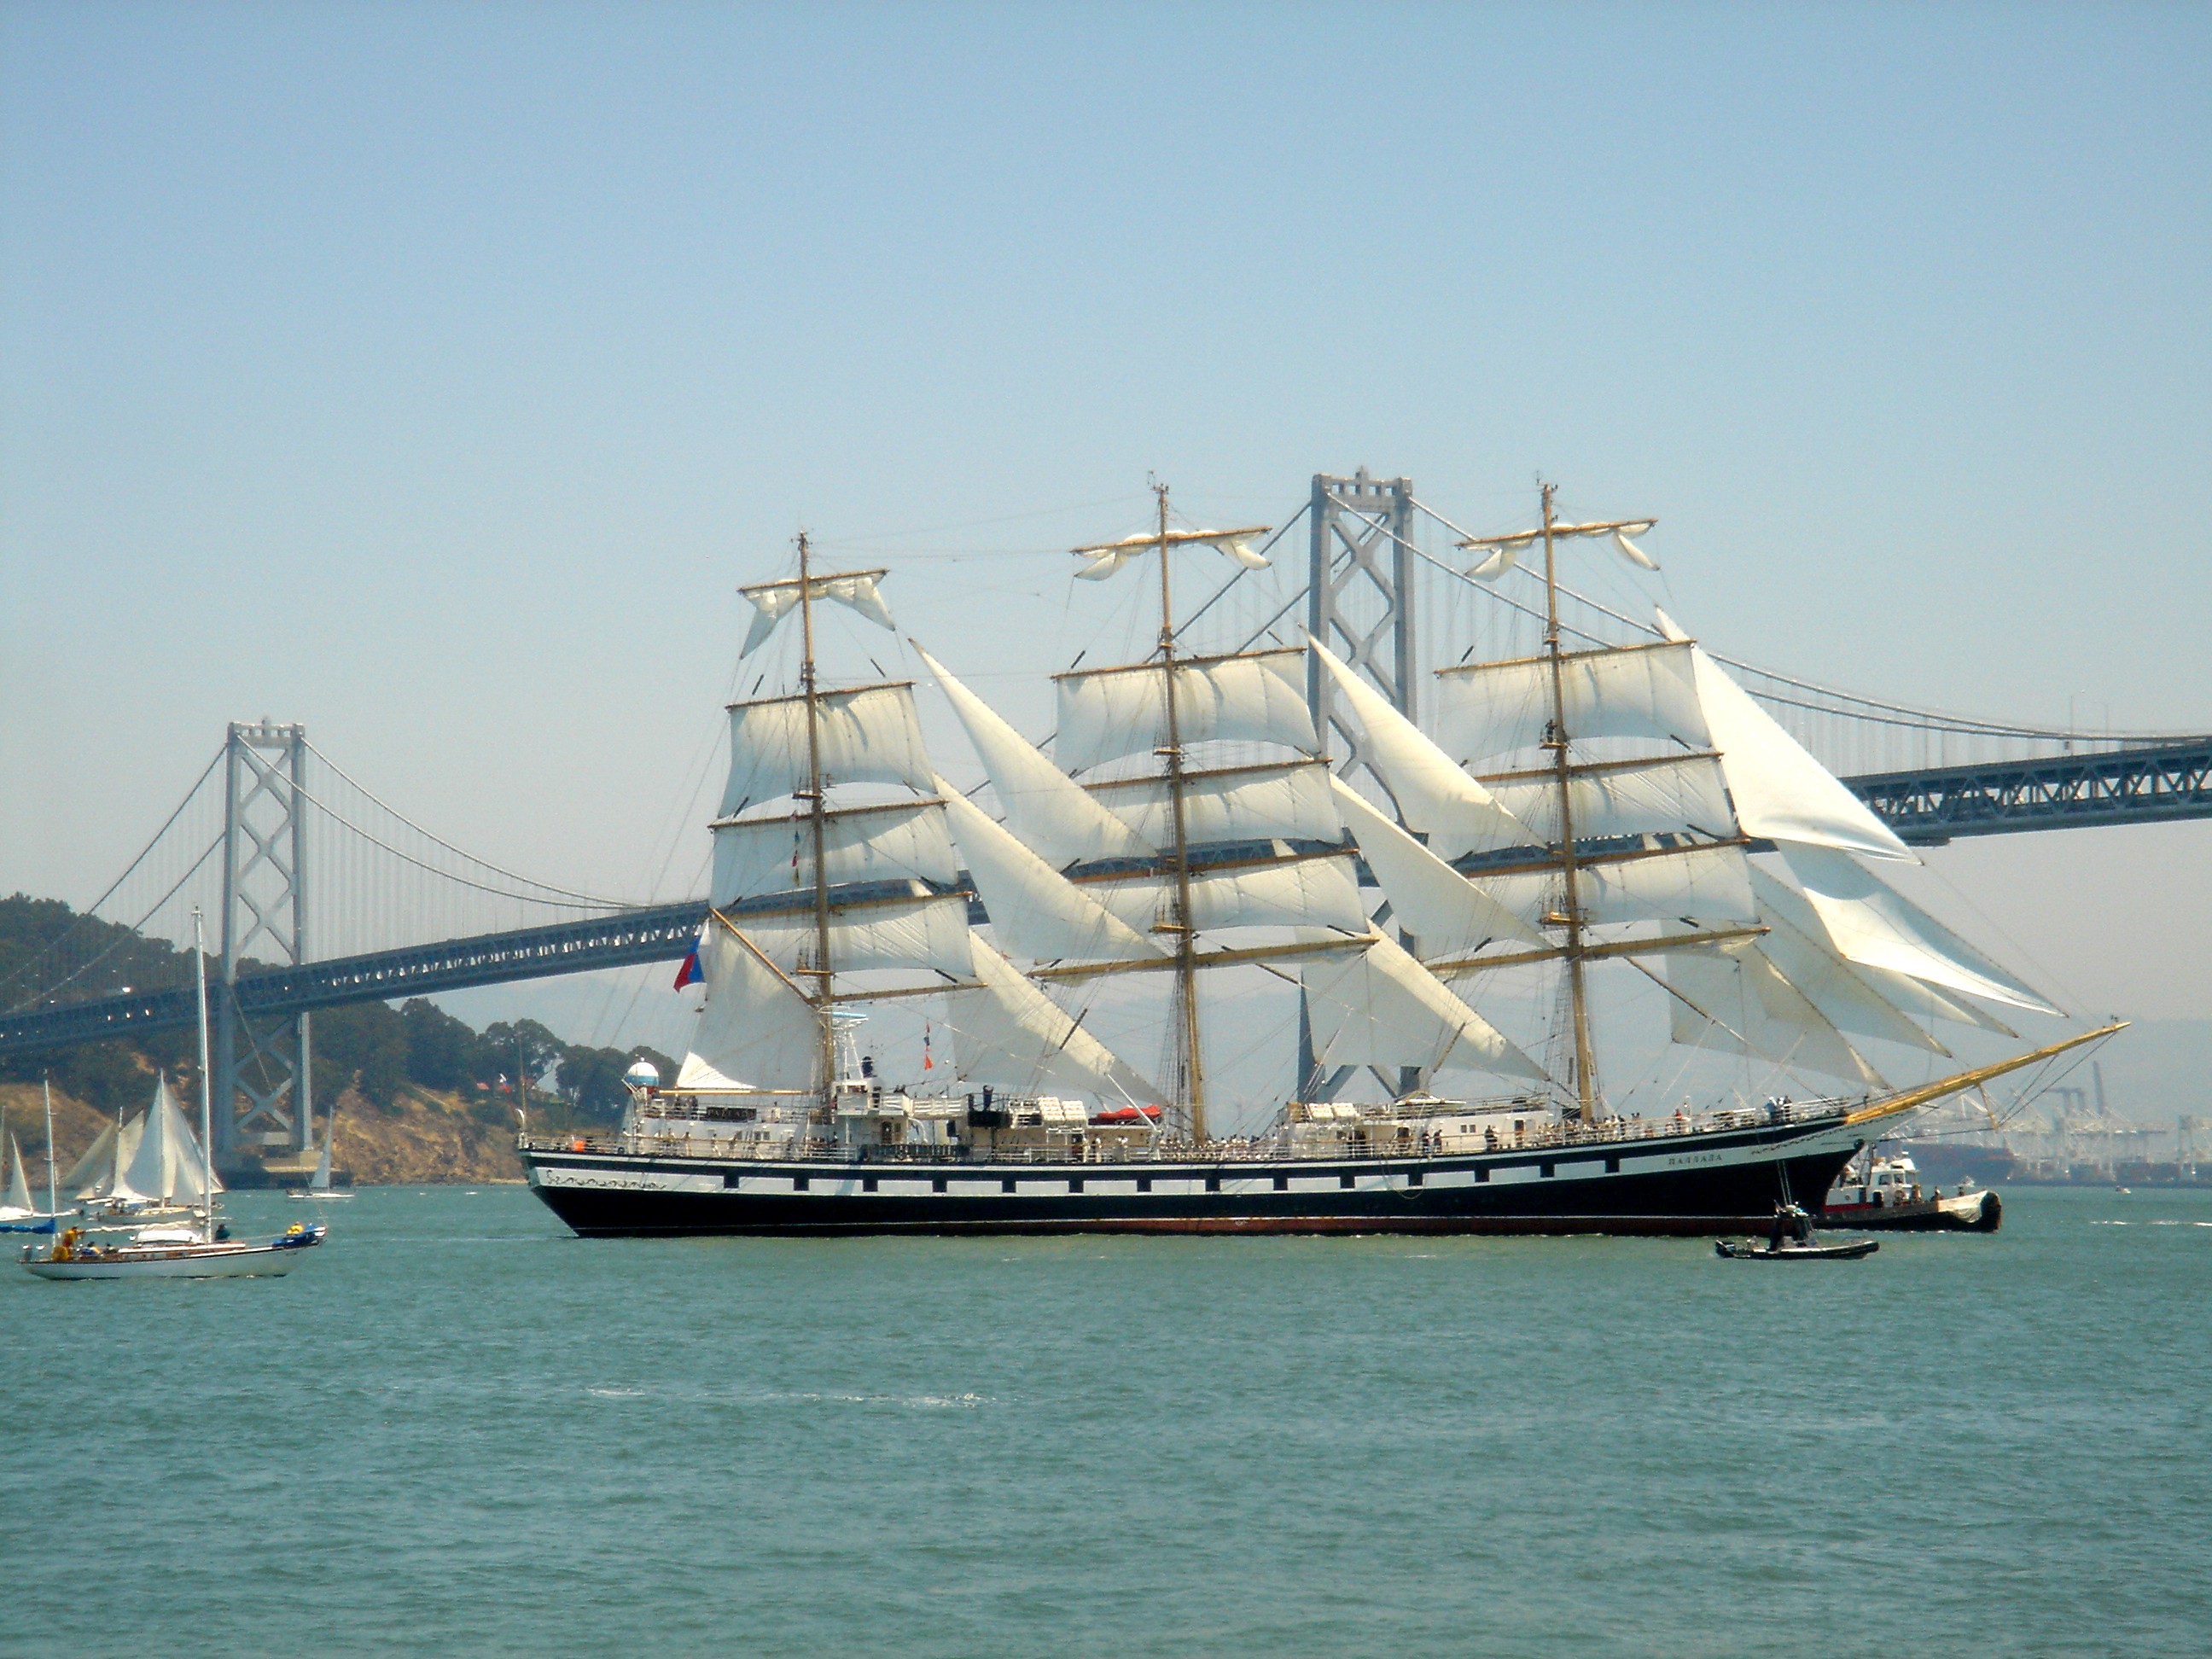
(1792, 1239)
(1846, 1250)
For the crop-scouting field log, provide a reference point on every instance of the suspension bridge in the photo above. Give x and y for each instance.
(322, 893)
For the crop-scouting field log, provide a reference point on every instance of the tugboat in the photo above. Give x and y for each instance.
(1883, 1190)
(1583, 817)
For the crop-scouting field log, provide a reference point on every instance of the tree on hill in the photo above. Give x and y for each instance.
(590, 1079)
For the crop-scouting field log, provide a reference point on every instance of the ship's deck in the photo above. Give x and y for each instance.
(1168, 1149)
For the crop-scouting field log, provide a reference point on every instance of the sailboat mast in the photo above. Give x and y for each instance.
(822, 974)
(1186, 936)
(47, 1086)
(207, 1099)
(1572, 910)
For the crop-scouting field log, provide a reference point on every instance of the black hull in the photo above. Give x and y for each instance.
(1727, 1184)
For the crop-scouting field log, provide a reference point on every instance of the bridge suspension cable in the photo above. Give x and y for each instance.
(590, 901)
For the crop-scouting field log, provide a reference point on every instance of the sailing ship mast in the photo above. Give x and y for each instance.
(1558, 740)
(1192, 1070)
(1571, 909)
(813, 795)
(1186, 1073)
(885, 891)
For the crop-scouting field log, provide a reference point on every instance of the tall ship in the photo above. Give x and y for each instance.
(1574, 818)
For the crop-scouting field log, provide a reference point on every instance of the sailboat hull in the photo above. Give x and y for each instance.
(1718, 1183)
(246, 1261)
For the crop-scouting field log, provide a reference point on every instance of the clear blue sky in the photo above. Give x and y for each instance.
(432, 373)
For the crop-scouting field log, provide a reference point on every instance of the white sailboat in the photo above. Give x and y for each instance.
(15, 1202)
(94, 1177)
(17, 1214)
(165, 1164)
(319, 1188)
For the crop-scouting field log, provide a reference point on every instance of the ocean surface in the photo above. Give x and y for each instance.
(456, 1430)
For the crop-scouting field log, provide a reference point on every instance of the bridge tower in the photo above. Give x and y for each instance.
(262, 1063)
(1359, 596)
(1359, 603)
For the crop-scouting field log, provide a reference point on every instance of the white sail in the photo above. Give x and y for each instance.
(1641, 798)
(758, 1029)
(772, 601)
(1796, 944)
(193, 1172)
(1257, 697)
(1047, 810)
(1646, 691)
(1923, 1001)
(166, 1164)
(126, 1150)
(91, 1174)
(320, 1181)
(1703, 885)
(1781, 792)
(1037, 911)
(1378, 1006)
(1290, 801)
(1869, 921)
(867, 734)
(918, 932)
(1730, 998)
(1011, 1034)
(17, 1199)
(1448, 914)
(755, 856)
(1434, 794)
(1312, 892)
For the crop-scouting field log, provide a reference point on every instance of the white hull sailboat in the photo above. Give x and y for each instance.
(197, 1259)
(318, 1190)
(17, 1214)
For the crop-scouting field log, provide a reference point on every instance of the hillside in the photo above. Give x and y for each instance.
(422, 1137)
(76, 1125)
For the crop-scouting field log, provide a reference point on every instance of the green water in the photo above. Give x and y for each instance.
(456, 1430)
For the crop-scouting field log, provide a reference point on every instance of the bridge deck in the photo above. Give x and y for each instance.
(2069, 791)
(2134, 786)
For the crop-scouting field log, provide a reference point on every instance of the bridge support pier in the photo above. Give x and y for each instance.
(262, 1063)
(1359, 603)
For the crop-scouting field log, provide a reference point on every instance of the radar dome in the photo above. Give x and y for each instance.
(642, 1074)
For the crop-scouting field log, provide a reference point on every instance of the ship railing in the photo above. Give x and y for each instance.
(1167, 1150)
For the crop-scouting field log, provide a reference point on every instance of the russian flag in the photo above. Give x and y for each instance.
(689, 970)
